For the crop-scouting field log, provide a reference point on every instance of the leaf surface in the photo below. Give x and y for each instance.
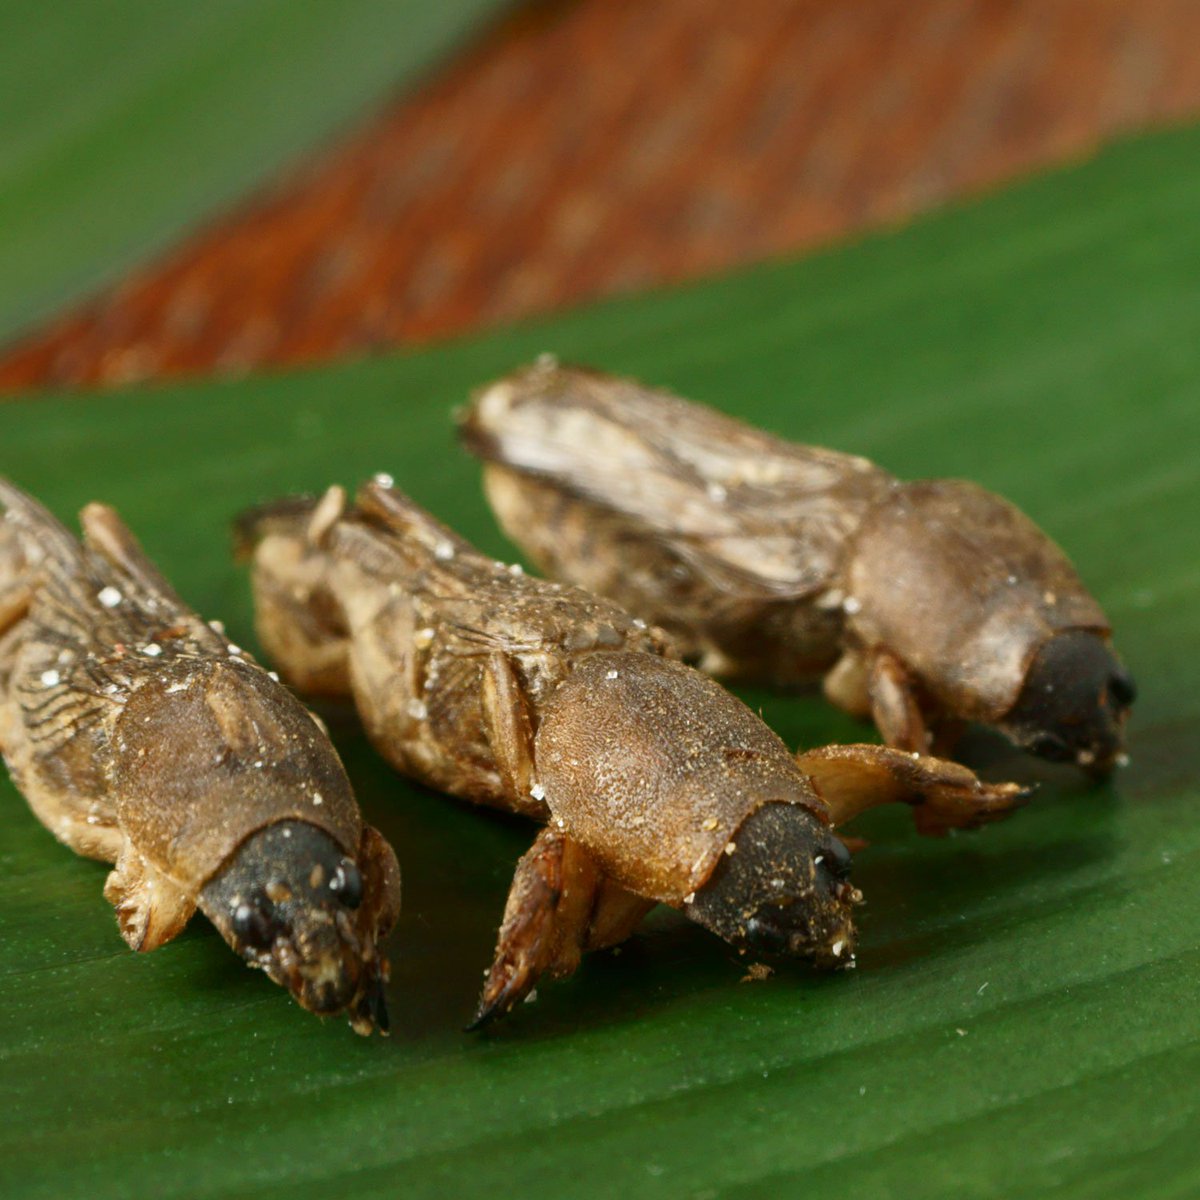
(1023, 1019)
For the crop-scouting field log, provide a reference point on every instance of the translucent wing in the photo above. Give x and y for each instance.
(484, 605)
(756, 515)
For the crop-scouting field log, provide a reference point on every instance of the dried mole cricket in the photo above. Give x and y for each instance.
(923, 605)
(655, 784)
(140, 736)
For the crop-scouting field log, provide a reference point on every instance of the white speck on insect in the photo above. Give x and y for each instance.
(730, 847)
(178, 687)
(1085, 758)
(51, 678)
(837, 948)
(711, 823)
(832, 599)
(273, 676)
(818, 860)
(516, 569)
(384, 480)
(109, 596)
(110, 689)
(538, 792)
(93, 819)
(716, 493)
(559, 823)
(234, 650)
(423, 638)
(1122, 760)
(317, 798)
(287, 833)
(611, 675)
(217, 626)
(417, 710)
(443, 551)
(851, 605)
(690, 898)
(961, 1032)
(1050, 597)
(532, 997)
(152, 649)
(1012, 579)
(638, 623)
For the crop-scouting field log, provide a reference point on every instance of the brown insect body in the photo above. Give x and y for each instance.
(546, 700)
(921, 604)
(140, 736)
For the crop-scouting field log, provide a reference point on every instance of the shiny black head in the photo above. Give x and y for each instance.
(784, 891)
(288, 902)
(1074, 703)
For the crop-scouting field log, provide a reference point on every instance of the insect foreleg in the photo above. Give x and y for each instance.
(546, 922)
(945, 795)
(151, 910)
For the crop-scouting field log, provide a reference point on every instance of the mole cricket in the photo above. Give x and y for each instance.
(654, 784)
(142, 737)
(921, 605)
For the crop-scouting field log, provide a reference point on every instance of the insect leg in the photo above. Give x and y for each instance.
(945, 795)
(151, 910)
(846, 685)
(14, 604)
(894, 706)
(510, 733)
(546, 922)
(16, 592)
(616, 915)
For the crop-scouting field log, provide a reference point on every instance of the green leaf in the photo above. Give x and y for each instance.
(1023, 1020)
(126, 121)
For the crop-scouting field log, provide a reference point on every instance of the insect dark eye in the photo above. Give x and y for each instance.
(253, 927)
(1122, 689)
(347, 884)
(765, 937)
(837, 858)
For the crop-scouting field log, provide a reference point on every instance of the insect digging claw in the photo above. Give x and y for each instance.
(506, 984)
(970, 809)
